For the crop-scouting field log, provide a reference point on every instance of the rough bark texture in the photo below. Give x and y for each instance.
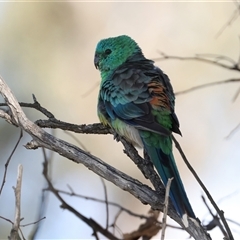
(43, 139)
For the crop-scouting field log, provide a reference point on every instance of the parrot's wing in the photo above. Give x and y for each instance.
(140, 116)
(133, 93)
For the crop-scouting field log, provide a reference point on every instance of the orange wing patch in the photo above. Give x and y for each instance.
(159, 96)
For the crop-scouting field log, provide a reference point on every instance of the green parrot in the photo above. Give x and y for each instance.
(136, 99)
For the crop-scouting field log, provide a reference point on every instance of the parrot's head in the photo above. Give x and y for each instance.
(112, 52)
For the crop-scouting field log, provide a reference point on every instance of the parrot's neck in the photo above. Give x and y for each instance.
(105, 75)
(138, 56)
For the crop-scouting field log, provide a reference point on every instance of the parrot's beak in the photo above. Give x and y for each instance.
(96, 61)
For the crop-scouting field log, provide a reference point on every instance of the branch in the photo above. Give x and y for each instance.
(106, 202)
(121, 208)
(214, 59)
(8, 161)
(43, 204)
(165, 210)
(17, 191)
(233, 80)
(141, 191)
(220, 212)
(233, 18)
(90, 222)
(215, 221)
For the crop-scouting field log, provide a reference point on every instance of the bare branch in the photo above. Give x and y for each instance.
(106, 203)
(121, 208)
(165, 210)
(44, 201)
(36, 105)
(143, 192)
(6, 219)
(220, 212)
(234, 130)
(215, 222)
(233, 18)
(233, 80)
(214, 59)
(72, 193)
(236, 95)
(32, 223)
(90, 90)
(14, 232)
(8, 161)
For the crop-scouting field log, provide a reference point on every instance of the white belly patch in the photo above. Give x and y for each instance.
(127, 131)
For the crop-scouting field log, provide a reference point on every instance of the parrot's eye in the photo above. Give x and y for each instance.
(108, 51)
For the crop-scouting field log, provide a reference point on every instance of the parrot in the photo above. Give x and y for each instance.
(136, 100)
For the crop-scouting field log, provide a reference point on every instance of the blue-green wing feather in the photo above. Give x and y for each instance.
(166, 167)
(126, 96)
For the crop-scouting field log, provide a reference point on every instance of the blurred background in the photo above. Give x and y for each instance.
(48, 48)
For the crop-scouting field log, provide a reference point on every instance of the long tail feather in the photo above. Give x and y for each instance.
(166, 167)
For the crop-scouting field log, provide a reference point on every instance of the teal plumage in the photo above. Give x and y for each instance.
(136, 99)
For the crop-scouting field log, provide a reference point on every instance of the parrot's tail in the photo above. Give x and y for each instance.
(166, 167)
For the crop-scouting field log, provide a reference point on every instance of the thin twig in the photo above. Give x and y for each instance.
(52, 122)
(215, 219)
(94, 86)
(106, 202)
(6, 219)
(165, 210)
(23, 238)
(114, 224)
(23, 225)
(121, 208)
(72, 193)
(95, 234)
(233, 18)
(233, 80)
(234, 222)
(220, 212)
(236, 95)
(8, 161)
(32, 223)
(226, 197)
(198, 57)
(233, 131)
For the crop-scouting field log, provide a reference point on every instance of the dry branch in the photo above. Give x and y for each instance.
(17, 191)
(43, 139)
(215, 59)
(165, 210)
